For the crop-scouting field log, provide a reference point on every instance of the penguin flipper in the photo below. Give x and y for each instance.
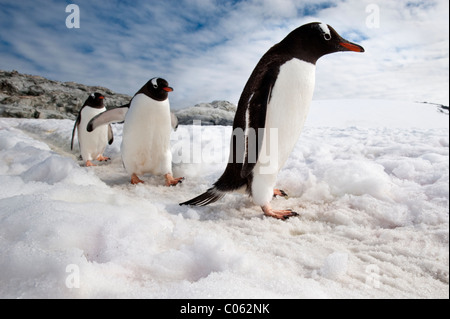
(77, 122)
(115, 115)
(173, 121)
(256, 118)
(210, 196)
(110, 135)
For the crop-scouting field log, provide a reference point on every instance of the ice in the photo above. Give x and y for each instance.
(370, 183)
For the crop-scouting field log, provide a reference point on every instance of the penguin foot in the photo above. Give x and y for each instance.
(102, 158)
(278, 214)
(171, 181)
(280, 192)
(136, 180)
(89, 163)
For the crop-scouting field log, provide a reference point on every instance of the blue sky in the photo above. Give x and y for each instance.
(207, 49)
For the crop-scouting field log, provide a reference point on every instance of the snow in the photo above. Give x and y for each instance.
(370, 180)
(335, 265)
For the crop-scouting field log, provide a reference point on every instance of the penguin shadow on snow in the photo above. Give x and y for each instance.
(112, 174)
(233, 206)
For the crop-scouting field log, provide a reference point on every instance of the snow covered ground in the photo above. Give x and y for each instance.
(370, 180)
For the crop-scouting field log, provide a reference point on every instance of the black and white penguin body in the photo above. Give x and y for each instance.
(271, 113)
(148, 123)
(92, 144)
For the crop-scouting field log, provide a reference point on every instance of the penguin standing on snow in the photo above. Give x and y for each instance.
(146, 132)
(271, 113)
(92, 144)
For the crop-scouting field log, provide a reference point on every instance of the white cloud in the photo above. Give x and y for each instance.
(207, 49)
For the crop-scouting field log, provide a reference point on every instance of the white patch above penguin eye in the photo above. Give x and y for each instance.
(326, 31)
(93, 95)
(154, 82)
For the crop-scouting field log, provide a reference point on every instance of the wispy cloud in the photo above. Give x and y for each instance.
(207, 49)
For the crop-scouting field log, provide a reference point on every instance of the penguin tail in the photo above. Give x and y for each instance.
(210, 196)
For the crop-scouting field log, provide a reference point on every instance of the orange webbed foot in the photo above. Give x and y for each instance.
(278, 214)
(102, 158)
(171, 181)
(89, 163)
(280, 192)
(136, 180)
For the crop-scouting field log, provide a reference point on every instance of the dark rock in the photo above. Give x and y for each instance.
(35, 90)
(7, 87)
(31, 96)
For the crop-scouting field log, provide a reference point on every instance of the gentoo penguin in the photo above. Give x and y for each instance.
(270, 115)
(146, 132)
(92, 144)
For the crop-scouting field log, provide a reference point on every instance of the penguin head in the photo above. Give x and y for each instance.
(95, 100)
(314, 40)
(158, 89)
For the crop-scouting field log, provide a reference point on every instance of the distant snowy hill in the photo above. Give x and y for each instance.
(369, 179)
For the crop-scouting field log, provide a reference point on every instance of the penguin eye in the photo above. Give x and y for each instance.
(327, 36)
(154, 82)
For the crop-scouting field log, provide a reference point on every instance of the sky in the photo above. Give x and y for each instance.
(207, 49)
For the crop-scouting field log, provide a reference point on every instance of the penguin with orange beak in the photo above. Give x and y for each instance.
(271, 114)
(92, 144)
(148, 123)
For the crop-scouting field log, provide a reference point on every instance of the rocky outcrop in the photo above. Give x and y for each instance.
(31, 96)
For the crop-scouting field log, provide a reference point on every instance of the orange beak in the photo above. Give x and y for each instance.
(351, 47)
(168, 89)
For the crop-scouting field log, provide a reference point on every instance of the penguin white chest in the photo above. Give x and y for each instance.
(146, 137)
(92, 144)
(287, 109)
(286, 113)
